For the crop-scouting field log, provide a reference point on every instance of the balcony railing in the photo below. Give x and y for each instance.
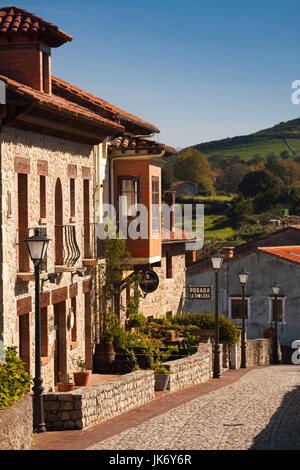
(67, 251)
(93, 247)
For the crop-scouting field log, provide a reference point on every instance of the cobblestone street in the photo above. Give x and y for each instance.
(259, 411)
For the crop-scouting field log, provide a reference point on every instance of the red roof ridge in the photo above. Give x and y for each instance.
(59, 102)
(96, 101)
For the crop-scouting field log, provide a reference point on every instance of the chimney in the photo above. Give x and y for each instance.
(27, 63)
(190, 257)
(169, 199)
(228, 251)
(25, 47)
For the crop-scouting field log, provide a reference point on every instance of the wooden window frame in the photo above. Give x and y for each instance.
(247, 312)
(155, 223)
(136, 179)
(169, 265)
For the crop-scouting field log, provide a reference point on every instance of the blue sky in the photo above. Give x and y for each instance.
(198, 70)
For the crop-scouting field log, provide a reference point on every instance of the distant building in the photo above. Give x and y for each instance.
(185, 187)
(266, 264)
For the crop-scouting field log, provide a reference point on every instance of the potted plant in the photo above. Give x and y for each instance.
(170, 335)
(81, 377)
(65, 384)
(162, 378)
(107, 304)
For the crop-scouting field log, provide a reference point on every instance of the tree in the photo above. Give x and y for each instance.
(192, 165)
(239, 211)
(256, 182)
(166, 179)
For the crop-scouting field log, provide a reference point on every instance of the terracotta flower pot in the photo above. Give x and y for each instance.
(81, 379)
(61, 387)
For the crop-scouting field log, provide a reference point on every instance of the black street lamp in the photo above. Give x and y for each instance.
(276, 290)
(37, 248)
(243, 276)
(217, 261)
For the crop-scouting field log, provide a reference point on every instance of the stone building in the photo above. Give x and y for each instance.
(187, 188)
(266, 265)
(60, 162)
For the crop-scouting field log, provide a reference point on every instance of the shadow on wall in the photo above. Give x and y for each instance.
(283, 430)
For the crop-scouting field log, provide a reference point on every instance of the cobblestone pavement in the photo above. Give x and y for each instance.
(259, 411)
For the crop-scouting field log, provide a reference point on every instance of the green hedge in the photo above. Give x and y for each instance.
(14, 380)
(206, 321)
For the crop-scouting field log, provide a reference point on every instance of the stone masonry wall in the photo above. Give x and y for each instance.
(57, 155)
(88, 406)
(169, 295)
(258, 352)
(16, 426)
(191, 370)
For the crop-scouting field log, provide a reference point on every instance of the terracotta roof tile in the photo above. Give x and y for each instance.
(177, 235)
(16, 20)
(71, 92)
(60, 104)
(176, 183)
(138, 144)
(291, 253)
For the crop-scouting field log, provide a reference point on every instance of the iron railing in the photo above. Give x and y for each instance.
(67, 251)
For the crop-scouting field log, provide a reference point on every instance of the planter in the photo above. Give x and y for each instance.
(171, 337)
(61, 387)
(193, 349)
(103, 358)
(161, 382)
(81, 379)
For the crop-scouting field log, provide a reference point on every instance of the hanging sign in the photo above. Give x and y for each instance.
(149, 281)
(200, 293)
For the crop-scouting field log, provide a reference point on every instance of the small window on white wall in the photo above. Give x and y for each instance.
(236, 308)
(280, 309)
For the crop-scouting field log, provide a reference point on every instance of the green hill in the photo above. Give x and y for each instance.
(276, 139)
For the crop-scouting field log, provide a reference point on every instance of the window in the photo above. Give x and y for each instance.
(72, 197)
(44, 332)
(169, 265)
(23, 221)
(279, 309)
(237, 308)
(129, 188)
(74, 329)
(42, 197)
(155, 204)
(169, 315)
(24, 340)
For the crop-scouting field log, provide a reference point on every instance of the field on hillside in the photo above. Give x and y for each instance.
(249, 150)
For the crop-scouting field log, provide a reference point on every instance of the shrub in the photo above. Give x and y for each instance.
(14, 380)
(228, 330)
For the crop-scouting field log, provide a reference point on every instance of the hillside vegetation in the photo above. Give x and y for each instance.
(284, 136)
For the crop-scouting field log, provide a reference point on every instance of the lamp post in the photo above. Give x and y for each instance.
(243, 276)
(276, 290)
(37, 248)
(217, 261)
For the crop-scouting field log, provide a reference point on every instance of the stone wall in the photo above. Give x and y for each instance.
(190, 370)
(16, 426)
(56, 156)
(88, 406)
(171, 291)
(258, 352)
